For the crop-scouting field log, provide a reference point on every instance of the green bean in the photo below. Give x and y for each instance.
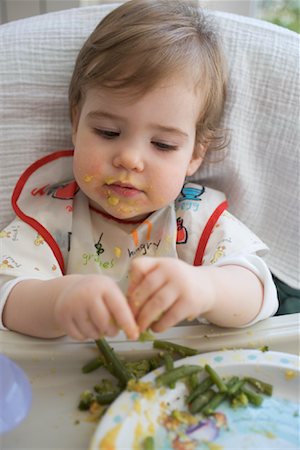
(106, 398)
(192, 382)
(148, 443)
(201, 400)
(176, 374)
(156, 361)
(175, 348)
(200, 389)
(253, 398)
(214, 402)
(118, 368)
(169, 364)
(146, 336)
(216, 379)
(261, 386)
(92, 365)
(217, 399)
(236, 386)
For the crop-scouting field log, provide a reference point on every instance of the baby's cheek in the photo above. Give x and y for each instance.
(171, 189)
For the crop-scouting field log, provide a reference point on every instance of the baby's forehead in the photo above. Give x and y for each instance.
(133, 92)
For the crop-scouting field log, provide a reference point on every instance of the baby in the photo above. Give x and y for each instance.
(111, 235)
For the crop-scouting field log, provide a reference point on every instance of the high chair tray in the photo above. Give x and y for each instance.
(54, 371)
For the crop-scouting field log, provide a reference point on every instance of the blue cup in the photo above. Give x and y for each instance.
(15, 394)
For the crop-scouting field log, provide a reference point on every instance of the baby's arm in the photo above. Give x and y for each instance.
(82, 306)
(164, 291)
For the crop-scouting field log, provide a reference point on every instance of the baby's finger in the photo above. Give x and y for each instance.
(139, 268)
(175, 314)
(73, 331)
(147, 288)
(88, 329)
(102, 319)
(155, 307)
(119, 309)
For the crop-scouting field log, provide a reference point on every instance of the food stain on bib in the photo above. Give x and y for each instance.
(117, 252)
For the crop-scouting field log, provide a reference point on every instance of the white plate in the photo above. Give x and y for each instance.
(273, 425)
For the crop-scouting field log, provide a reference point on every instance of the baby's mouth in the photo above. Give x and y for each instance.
(123, 189)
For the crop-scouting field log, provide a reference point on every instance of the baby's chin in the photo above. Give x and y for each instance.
(116, 209)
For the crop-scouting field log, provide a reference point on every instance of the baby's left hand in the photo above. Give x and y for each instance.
(165, 291)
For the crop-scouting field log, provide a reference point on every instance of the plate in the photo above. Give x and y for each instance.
(273, 425)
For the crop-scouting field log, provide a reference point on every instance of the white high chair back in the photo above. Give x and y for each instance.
(260, 174)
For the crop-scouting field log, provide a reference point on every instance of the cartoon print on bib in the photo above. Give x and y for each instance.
(189, 198)
(98, 246)
(139, 235)
(191, 193)
(64, 190)
(5, 234)
(9, 263)
(182, 233)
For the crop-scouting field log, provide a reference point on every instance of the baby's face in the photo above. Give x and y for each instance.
(132, 155)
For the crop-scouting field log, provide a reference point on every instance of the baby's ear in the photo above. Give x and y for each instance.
(197, 159)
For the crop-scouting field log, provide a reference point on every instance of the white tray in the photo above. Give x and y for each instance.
(54, 369)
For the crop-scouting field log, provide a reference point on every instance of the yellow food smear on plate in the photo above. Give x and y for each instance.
(212, 446)
(270, 435)
(151, 426)
(109, 440)
(184, 417)
(137, 406)
(145, 388)
(138, 435)
(290, 374)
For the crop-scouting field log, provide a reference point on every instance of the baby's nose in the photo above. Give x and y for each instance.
(130, 160)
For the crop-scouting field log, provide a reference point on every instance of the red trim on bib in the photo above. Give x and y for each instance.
(30, 220)
(207, 232)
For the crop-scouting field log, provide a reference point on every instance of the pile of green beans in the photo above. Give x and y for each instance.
(204, 396)
(207, 395)
(123, 371)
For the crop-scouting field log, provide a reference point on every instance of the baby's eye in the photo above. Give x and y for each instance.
(107, 134)
(163, 146)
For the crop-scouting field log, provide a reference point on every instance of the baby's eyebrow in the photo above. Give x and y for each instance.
(170, 130)
(103, 114)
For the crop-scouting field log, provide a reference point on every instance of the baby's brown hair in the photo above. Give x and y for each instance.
(142, 43)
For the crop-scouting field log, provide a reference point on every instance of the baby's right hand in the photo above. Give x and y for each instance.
(91, 306)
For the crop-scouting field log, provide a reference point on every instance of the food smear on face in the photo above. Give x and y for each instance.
(113, 200)
(88, 178)
(111, 180)
(128, 210)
